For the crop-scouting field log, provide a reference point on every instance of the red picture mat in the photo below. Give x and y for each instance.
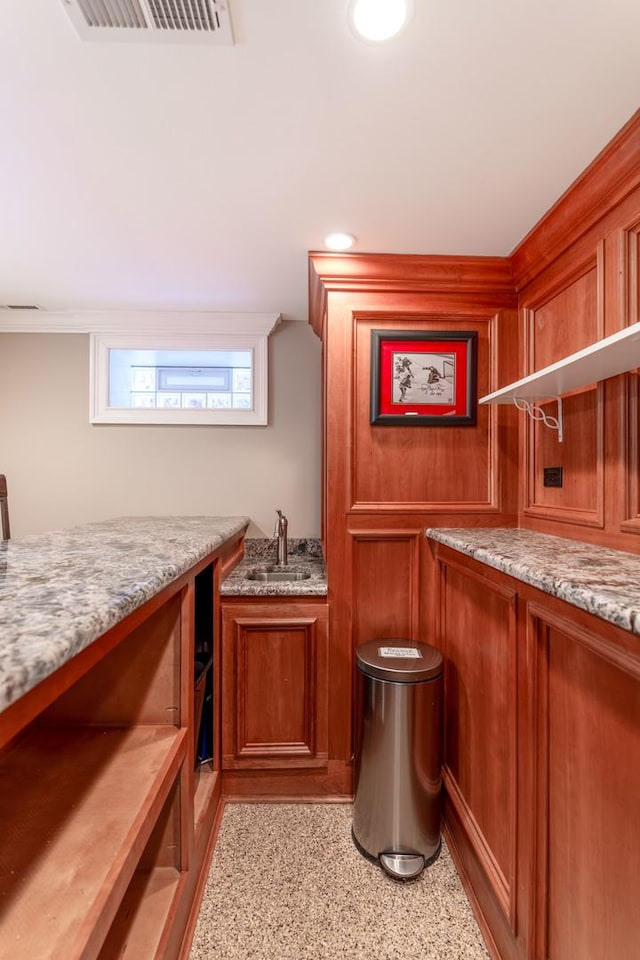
(458, 348)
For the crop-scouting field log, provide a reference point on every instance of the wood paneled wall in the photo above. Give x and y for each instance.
(577, 275)
(573, 280)
(384, 485)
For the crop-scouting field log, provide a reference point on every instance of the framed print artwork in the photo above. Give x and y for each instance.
(423, 378)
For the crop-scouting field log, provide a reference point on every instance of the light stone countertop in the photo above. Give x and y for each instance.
(601, 581)
(60, 591)
(303, 553)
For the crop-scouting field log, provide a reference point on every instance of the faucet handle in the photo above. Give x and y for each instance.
(281, 524)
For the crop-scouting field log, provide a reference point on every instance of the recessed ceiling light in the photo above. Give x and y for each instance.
(339, 241)
(378, 20)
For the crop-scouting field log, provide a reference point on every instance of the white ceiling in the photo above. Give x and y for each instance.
(138, 175)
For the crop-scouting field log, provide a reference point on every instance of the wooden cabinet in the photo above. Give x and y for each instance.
(275, 693)
(541, 772)
(106, 824)
(585, 728)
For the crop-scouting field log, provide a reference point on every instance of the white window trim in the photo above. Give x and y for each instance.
(158, 330)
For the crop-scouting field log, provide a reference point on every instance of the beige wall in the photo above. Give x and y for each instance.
(62, 470)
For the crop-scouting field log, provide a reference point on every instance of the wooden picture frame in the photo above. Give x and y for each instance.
(423, 378)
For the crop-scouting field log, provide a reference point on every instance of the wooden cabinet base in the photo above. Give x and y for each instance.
(274, 684)
(333, 781)
(495, 930)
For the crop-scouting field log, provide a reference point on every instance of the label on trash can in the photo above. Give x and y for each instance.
(407, 652)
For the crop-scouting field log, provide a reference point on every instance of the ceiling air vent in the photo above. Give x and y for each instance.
(152, 21)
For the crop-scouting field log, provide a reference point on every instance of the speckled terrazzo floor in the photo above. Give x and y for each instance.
(286, 881)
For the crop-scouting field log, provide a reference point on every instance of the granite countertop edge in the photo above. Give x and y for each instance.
(61, 590)
(599, 580)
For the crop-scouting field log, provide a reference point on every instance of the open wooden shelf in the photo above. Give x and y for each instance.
(607, 358)
(104, 824)
(140, 927)
(78, 805)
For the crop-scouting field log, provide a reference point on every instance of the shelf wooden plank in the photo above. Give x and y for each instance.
(207, 789)
(139, 929)
(77, 807)
(607, 358)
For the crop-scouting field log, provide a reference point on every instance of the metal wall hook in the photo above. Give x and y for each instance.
(537, 413)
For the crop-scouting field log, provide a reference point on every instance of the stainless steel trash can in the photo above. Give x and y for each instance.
(397, 811)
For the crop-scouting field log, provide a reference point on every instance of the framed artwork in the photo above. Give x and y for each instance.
(423, 378)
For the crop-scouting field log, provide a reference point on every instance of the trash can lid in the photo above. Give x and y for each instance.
(401, 661)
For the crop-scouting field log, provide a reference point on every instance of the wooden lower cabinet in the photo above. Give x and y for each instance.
(107, 817)
(274, 693)
(541, 766)
(586, 715)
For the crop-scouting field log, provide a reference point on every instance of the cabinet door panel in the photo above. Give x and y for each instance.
(479, 645)
(274, 686)
(588, 714)
(275, 706)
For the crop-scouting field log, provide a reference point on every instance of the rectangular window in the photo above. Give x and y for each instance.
(189, 378)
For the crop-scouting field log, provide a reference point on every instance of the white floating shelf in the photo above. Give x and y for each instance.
(607, 358)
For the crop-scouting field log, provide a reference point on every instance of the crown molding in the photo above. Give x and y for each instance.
(396, 271)
(608, 179)
(137, 321)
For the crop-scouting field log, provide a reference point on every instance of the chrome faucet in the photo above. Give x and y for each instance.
(281, 533)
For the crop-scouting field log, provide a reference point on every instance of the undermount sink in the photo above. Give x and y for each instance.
(277, 574)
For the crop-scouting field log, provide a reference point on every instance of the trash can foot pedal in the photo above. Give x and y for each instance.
(402, 866)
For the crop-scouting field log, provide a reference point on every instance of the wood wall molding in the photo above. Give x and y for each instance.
(629, 313)
(611, 177)
(629, 273)
(578, 287)
(496, 931)
(631, 478)
(564, 275)
(477, 632)
(570, 457)
(497, 881)
(393, 557)
(414, 468)
(375, 508)
(608, 649)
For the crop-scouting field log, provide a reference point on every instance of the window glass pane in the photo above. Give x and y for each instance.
(194, 378)
(143, 378)
(143, 400)
(168, 400)
(219, 401)
(241, 380)
(180, 379)
(194, 400)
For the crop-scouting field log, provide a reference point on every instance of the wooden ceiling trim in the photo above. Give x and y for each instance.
(611, 177)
